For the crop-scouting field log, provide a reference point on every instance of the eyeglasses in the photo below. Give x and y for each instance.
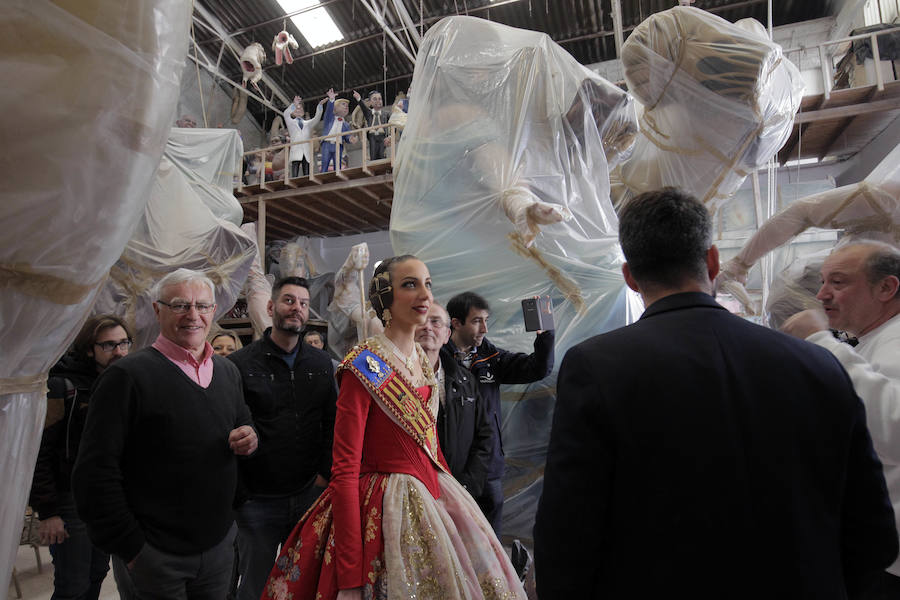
(437, 322)
(110, 346)
(181, 308)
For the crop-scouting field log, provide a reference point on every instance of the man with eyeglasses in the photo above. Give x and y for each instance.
(290, 389)
(493, 366)
(79, 567)
(462, 423)
(156, 474)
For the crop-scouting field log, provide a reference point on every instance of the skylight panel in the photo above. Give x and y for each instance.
(316, 26)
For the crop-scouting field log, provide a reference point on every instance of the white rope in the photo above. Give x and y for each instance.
(199, 83)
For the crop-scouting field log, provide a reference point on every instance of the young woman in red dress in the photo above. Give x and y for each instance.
(393, 522)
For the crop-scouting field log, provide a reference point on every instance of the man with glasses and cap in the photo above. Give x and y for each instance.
(79, 567)
(156, 474)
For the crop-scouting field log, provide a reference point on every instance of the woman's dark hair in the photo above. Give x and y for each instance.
(381, 288)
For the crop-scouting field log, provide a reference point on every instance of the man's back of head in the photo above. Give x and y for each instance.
(666, 236)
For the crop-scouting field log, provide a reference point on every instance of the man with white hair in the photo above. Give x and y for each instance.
(156, 473)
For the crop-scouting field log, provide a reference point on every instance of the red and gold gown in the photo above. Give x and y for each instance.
(392, 520)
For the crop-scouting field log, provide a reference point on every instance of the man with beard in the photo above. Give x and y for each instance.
(79, 567)
(289, 387)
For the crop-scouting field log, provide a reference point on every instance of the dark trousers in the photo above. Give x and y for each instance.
(123, 579)
(295, 167)
(376, 146)
(491, 502)
(158, 575)
(78, 566)
(263, 525)
(328, 155)
(881, 586)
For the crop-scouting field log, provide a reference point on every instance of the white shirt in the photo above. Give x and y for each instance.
(301, 151)
(874, 368)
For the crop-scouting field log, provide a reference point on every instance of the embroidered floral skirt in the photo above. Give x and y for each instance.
(413, 547)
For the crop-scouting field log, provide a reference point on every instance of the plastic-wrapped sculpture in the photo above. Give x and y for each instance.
(869, 209)
(502, 188)
(346, 318)
(257, 289)
(718, 102)
(282, 45)
(183, 226)
(78, 168)
(252, 59)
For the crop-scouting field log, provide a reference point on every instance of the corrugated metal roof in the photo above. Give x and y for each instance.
(367, 59)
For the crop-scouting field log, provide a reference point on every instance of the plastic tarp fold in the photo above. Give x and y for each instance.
(91, 92)
(502, 188)
(718, 102)
(182, 227)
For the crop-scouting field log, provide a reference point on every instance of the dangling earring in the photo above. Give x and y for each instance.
(386, 317)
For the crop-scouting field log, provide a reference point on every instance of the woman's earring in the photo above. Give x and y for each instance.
(386, 317)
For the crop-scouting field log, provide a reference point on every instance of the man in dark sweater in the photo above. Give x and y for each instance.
(79, 567)
(493, 366)
(156, 473)
(290, 389)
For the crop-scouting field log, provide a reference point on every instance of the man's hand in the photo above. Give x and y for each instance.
(353, 139)
(805, 323)
(320, 481)
(356, 96)
(243, 440)
(323, 100)
(330, 93)
(387, 142)
(52, 531)
(297, 101)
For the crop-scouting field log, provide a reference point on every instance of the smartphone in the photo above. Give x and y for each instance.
(538, 313)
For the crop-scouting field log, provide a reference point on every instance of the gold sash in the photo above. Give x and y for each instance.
(396, 396)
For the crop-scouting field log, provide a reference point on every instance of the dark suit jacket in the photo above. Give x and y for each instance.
(465, 432)
(694, 454)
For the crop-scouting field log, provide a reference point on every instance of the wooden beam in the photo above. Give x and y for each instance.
(853, 110)
(289, 219)
(318, 189)
(308, 209)
(350, 200)
(841, 129)
(335, 206)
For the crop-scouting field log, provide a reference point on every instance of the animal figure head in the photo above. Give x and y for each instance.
(252, 59)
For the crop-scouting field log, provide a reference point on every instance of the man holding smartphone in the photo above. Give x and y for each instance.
(493, 366)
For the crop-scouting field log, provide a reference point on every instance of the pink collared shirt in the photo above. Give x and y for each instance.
(200, 372)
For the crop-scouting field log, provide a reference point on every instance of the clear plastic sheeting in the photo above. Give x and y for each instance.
(90, 96)
(179, 229)
(502, 188)
(210, 159)
(257, 289)
(718, 102)
(866, 210)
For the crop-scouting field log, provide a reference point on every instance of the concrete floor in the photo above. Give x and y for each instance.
(39, 586)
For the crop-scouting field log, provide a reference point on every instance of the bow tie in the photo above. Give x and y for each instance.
(339, 119)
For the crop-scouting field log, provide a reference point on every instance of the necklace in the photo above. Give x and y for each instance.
(408, 361)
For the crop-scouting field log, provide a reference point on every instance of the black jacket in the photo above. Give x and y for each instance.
(493, 366)
(695, 454)
(293, 412)
(69, 390)
(464, 430)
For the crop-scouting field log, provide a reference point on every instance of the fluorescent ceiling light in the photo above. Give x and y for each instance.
(316, 25)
